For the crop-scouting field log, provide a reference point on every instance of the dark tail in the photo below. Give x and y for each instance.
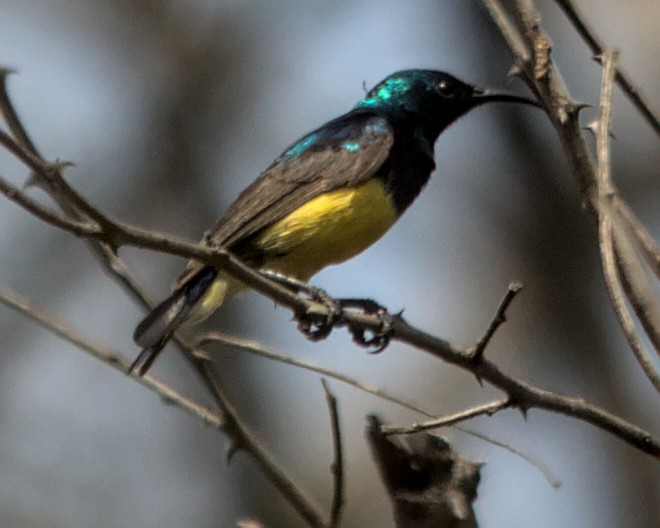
(157, 328)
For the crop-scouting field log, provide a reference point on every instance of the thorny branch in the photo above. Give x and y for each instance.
(81, 219)
(254, 347)
(523, 395)
(531, 48)
(598, 48)
(207, 416)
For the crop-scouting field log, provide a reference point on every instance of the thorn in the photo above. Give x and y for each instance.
(232, 450)
(598, 58)
(574, 107)
(523, 410)
(32, 181)
(201, 354)
(516, 70)
(58, 165)
(166, 400)
(592, 127)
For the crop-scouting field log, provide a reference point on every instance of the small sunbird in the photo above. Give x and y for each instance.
(328, 197)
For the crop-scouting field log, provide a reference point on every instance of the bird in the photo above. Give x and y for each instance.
(326, 198)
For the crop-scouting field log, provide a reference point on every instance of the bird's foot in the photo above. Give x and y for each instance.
(316, 324)
(376, 339)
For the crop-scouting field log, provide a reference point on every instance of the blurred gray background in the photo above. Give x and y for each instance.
(168, 110)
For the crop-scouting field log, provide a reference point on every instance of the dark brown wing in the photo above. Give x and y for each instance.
(344, 153)
(323, 166)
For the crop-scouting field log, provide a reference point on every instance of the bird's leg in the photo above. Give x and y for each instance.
(314, 325)
(318, 326)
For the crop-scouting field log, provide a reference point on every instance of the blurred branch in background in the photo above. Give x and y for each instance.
(111, 358)
(430, 485)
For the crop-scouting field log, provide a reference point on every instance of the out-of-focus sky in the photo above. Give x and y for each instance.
(168, 109)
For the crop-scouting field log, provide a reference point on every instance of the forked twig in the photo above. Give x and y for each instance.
(612, 240)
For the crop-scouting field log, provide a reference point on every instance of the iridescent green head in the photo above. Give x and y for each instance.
(430, 99)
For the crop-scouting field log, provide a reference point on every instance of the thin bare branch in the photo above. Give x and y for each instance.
(258, 349)
(647, 245)
(112, 358)
(608, 233)
(9, 114)
(548, 475)
(617, 297)
(338, 462)
(605, 186)
(512, 36)
(46, 213)
(101, 251)
(498, 319)
(543, 78)
(48, 177)
(523, 394)
(598, 47)
(635, 281)
(545, 81)
(451, 419)
(228, 421)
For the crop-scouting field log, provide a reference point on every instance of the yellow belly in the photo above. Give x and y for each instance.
(326, 230)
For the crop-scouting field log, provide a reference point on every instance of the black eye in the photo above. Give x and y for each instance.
(445, 88)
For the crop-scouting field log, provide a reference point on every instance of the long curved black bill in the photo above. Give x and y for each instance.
(493, 96)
